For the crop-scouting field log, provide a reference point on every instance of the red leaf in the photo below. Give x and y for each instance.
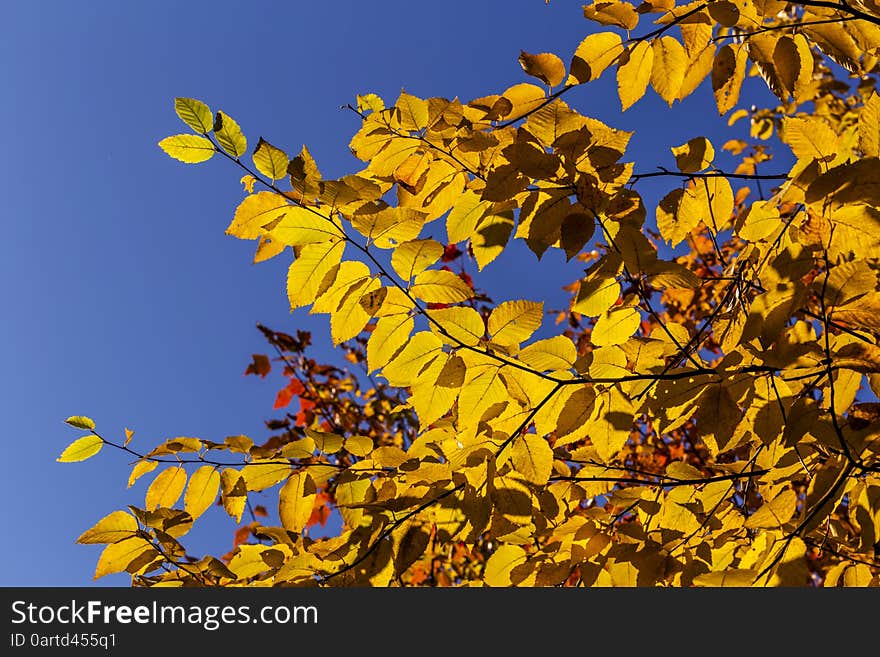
(305, 405)
(242, 534)
(450, 253)
(286, 394)
(320, 512)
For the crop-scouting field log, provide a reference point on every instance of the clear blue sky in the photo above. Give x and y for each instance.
(122, 298)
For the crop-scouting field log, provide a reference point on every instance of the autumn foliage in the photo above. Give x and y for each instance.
(704, 412)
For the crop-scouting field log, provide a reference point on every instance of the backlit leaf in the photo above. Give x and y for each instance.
(545, 66)
(131, 554)
(188, 148)
(111, 528)
(270, 161)
(501, 563)
(296, 500)
(194, 113)
(81, 422)
(634, 73)
(201, 490)
(229, 135)
(513, 322)
(81, 449)
(439, 286)
(166, 488)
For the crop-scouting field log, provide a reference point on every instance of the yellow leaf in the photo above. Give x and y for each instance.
(869, 126)
(141, 468)
(863, 313)
(572, 423)
(370, 103)
(760, 222)
(412, 112)
(233, 492)
(615, 326)
(413, 257)
(523, 98)
(81, 422)
(166, 488)
(545, 66)
(201, 490)
(298, 449)
(255, 212)
(556, 353)
(296, 501)
(728, 72)
(129, 434)
(259, 475)
(463, 325)
(621, 14)
(111, 528)
(248, 181)
(359, 445)
(389, 335)
(351, 316)
(513, 322)
(810, 138)
(440, 286)
(389, 227)
(131, 554)
(594, 54)
(608, 363)
(402, 370)
(462, 220)
(669, 67)
(188, 148)
(298, 226)
(308, 270)
(270, 161)
(532, 458)
(431, 400)
(599, 289)
(707, 200)
(696, 155)
(634, 73)
(482, 388)
(194, 113)
(774, 513)
(501, 563)
(698, 70)
(325, 441)
(81, 449)
(491, 236)
(230, 136)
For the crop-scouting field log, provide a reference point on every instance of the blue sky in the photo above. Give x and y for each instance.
(122, 297)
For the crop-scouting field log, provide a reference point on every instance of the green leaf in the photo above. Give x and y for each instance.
(81, 422)
(270, 161)
(194, 113)
(191, 149)
(80, 450)
(229, 135)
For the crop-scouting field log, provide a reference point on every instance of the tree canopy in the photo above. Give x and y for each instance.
(704, 412)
